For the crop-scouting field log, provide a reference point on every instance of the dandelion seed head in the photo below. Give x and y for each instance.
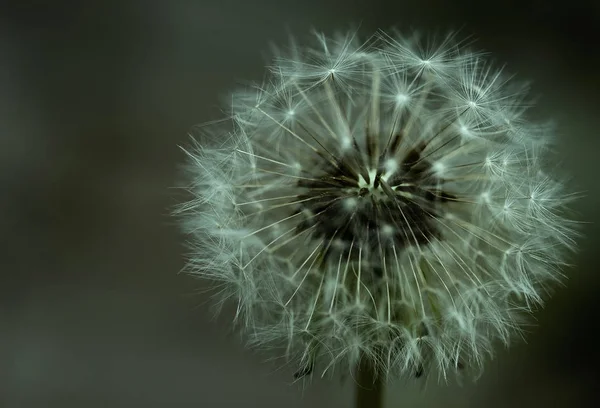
(386, 200)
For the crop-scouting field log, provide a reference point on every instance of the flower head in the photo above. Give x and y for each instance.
(386, 200)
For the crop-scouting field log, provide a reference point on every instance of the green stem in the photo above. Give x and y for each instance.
(369, 386)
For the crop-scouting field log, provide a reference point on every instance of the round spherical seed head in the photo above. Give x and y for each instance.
(381, 200)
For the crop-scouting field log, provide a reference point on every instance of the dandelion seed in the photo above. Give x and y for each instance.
(386, 202)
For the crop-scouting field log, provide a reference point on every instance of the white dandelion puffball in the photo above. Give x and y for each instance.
(383, 200)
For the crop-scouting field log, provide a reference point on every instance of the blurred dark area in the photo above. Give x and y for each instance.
(95, 98)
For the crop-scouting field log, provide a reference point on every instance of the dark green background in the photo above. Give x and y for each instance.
(94, 98)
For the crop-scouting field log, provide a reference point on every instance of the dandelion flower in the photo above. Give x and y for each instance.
(384, 201)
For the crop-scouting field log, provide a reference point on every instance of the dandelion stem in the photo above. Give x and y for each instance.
(369, 385)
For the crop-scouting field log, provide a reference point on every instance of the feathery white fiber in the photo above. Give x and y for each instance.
(386, 200)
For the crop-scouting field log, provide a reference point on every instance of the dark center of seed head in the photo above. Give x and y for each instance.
(373, 210)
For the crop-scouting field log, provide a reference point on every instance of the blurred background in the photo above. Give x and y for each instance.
(95, 96)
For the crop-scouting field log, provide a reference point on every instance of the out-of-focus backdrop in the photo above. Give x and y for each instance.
(95, 96)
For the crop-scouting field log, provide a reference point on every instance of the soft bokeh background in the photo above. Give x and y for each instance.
(95, 96)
